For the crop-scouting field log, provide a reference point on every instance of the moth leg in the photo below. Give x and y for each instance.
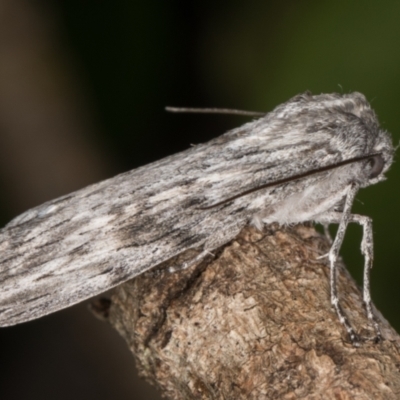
(327, 234)
(343, 220)
(191, 262)
(367, 249)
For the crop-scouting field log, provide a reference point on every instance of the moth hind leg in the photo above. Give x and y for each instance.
(367, 247)
(327, 233)
(190, 262)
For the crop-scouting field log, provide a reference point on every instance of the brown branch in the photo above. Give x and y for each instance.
(255, 323)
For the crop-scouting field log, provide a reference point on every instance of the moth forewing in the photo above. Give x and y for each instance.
(296, 163)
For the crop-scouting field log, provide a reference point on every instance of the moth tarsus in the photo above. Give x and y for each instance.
(303, 161)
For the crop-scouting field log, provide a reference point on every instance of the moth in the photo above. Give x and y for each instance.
(303, 161)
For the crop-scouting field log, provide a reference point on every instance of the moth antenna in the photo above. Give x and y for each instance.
(226, 111)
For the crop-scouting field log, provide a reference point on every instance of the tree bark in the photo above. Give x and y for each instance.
(255, 322)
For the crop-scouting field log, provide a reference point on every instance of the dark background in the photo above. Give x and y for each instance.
(83, 85)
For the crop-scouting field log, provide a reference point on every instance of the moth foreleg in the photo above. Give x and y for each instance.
(333, 255)
(367, 247)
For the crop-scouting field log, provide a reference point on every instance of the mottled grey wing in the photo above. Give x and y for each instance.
(82, 244)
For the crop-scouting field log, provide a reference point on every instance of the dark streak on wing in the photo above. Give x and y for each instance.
(37, 298)
(294, 178)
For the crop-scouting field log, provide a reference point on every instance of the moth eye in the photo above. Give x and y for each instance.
(376, 164)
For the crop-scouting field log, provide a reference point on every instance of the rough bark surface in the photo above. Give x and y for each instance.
(255, 322)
